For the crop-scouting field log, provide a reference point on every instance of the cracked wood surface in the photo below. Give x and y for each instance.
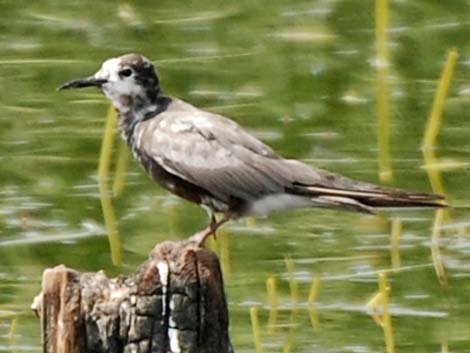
(173, 303)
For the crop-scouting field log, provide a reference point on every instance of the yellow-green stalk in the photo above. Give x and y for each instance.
(435, 251)
(312, 296)
(314, 289)
(121, 168)
(293, 285)
(271, 290)
(256, 329)
(383, 93)
(397, 228)
(433, 126)
(223, 238)
(435, 116)
(386, 318)
(105, 192)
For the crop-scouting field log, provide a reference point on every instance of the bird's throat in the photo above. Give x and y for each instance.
(134, 110)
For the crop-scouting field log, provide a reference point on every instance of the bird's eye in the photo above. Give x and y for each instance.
(125, 72)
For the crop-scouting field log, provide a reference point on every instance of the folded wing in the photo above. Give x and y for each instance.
(215, 154)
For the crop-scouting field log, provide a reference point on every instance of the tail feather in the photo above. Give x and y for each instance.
(332, 190)
(344, 203)
(367, 196)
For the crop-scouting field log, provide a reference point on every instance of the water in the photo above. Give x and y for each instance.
(301, 76)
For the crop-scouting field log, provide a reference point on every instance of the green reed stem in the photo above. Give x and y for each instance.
(383, 94)
(105, 192)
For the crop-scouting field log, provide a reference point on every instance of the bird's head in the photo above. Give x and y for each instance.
(129, 81)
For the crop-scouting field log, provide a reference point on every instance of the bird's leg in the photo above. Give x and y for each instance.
(212, 226)
(201, 236)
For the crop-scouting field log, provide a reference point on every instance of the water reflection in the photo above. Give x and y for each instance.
(299, 76)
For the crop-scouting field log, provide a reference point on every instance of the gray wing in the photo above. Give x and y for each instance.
(215, 154)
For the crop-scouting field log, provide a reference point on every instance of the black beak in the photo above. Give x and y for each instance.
(83, 82)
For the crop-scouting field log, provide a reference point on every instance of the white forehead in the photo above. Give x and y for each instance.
(109, 70)
(111, 65)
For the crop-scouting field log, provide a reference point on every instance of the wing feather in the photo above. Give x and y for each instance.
(214, 153)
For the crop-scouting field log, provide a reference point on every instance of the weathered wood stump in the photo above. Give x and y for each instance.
(174, 302)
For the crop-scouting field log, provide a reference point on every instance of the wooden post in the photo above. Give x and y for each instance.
(173, 303)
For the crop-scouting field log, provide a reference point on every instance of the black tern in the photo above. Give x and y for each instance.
(210, 160)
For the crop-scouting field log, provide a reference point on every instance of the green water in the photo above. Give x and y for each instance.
(298, 74)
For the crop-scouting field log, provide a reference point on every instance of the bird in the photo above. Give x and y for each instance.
(210, 160)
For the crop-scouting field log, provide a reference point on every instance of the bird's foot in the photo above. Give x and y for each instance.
(200, 237)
